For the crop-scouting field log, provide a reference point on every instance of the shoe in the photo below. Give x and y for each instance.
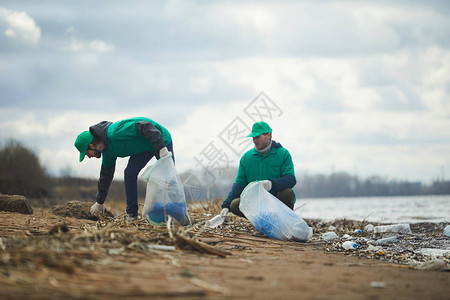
(131, 218)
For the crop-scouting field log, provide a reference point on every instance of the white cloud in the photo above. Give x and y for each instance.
(96, 46)
(22, 28)
(361, 84)
(100, 46)
(435, 79)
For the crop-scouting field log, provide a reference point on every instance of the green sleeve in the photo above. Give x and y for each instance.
(288, 166)
(108, 160)
(241, 177)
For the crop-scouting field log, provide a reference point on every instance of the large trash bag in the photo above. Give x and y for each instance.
(165, 193)
(272, 217)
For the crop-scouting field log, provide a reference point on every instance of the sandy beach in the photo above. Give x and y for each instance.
(47, 256)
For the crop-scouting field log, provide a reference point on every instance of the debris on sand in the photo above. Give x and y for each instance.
(15, 203)
(406, 248)
(109, 241)
(78, 210)
(65, 248)
(183, 242)
(433, 265)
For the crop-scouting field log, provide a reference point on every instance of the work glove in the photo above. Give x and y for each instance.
(224, 212)
(97, 208)
(163, 152)
(267, 185)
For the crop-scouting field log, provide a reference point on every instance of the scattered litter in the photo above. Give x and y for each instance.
(447, 230)
(349, 245)
(426, 241)
(435, 252)
(395, 228)
(378, 284)
(216, 221)
(66, 247)
(161, 247)
(368, 228)
(433, 265)
(329, 236)
(391, 239)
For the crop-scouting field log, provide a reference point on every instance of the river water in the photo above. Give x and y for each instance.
(411, 209)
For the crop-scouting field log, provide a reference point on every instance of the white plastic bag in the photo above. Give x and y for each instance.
(165, 193)
(272, 217)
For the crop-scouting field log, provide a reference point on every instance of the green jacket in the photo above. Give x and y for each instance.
(126, 138)
(276, 166)
(132, 136)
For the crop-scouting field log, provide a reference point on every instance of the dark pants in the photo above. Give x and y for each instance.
(286, 196)
(135, 164)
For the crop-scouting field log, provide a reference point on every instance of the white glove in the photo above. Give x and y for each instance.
(97, 208)
(224, 212)
(267, 185)
(163, 152)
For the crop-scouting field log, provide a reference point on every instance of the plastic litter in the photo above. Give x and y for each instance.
(368, 228)
(165, 193)
(447, 230)
(357, 231)
(328, 236)
(272, 217)
(216, 221)
(391, 239)
(435, 265)
(378, 284)
(374, 248)
(161, 247)
(395, 228)
(349, 245)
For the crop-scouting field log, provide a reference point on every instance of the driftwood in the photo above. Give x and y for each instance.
(15, 203)
(184, 243)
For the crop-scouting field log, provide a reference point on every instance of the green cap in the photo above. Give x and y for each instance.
(259, 128)
(82, 143)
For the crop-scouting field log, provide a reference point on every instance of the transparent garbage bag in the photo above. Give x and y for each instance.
(165, 193)
(272, 217)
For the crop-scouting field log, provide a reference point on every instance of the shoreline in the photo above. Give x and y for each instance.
(114, 260)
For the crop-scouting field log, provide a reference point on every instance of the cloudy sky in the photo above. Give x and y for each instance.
(355, 86)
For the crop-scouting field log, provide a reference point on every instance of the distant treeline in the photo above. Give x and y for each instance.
(344, 185)
(335, 185)
(21, 173)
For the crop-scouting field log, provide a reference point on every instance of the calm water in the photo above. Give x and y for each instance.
(377, 209)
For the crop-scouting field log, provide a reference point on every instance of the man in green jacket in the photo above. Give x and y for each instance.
(139, 138)
(269, 163)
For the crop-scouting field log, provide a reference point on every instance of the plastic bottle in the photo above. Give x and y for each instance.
(397, 228)
(391, 239)
(447, 230)
(216, 221)
(369, 228)
(349, 245)
(357, 231)
(329, 236)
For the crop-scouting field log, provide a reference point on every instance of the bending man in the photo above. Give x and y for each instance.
(268, 162)
(139, 138)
